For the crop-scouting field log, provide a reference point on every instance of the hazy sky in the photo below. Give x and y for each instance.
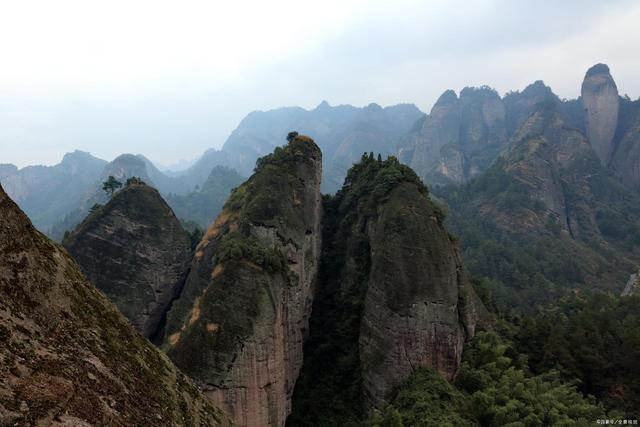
(170, 79)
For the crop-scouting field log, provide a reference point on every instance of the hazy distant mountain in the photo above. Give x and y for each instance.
(47, 193)
(343, 133)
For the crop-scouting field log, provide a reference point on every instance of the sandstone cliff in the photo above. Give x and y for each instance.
(238, 327)
(601, 103)
(136, 252)
(459, 138)
(392, 296)
(67, 357)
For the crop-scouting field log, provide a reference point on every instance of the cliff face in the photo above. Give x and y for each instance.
(459, 138)
(136, 252)
(601, 103)
(67, 357)
(392, 296)
(238, 327)
(419, 307)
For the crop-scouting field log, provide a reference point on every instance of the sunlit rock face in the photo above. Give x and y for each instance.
(239, 325)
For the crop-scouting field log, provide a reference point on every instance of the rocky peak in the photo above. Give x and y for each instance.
(125, 166)
(392, 296)
(459, 138)
(239, 325)
(67, 356)
(601, 104)
(136, 252)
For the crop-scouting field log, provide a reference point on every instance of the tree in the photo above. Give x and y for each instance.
(291, 136)
(111, 185)
(134, 180)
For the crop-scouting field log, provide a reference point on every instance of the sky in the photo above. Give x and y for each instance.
(171, 79)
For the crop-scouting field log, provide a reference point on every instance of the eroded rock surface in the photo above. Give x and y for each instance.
(239, 326)
(136, 252)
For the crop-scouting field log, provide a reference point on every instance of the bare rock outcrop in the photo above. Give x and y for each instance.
(136, 252)
(601, 103)
(239, 326)
(67, 356)
(420, 307)
(459, 138)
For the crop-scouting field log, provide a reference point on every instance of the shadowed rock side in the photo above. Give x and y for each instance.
(136, 252)
(601, 104)
(239, 326)
(392, 297)
(67, 356)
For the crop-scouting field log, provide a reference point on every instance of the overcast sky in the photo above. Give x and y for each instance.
(170, 79)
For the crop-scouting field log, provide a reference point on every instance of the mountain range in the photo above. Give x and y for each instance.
(383, 302)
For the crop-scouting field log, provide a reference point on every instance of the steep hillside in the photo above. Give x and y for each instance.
(547, 218)
(392, 297)
(135, 251)
(239, 325)
(67, 357)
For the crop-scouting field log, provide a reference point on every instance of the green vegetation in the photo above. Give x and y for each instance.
(236, 246)
(425, 400)
(492, 388)
(526, 256)
(111, 185)
(134, 180)
(595, 339)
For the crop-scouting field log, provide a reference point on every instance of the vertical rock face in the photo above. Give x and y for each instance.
(459, 138)
(67, 357)
(553, 165)
(238, 327)
(392, 296)
(601, 103)
(419, 307)
(136, 252)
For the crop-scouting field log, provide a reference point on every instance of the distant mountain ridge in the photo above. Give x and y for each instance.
(462, 136)
(342, 132)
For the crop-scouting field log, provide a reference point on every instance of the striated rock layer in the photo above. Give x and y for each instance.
(136, 252)
(238, 327)
(67, 357)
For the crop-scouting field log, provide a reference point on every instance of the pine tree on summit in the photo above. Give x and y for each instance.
(111, 185)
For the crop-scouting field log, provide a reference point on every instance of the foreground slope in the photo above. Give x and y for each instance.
(239, 324)
(392, 296)
(136, 252)
(67, 357)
